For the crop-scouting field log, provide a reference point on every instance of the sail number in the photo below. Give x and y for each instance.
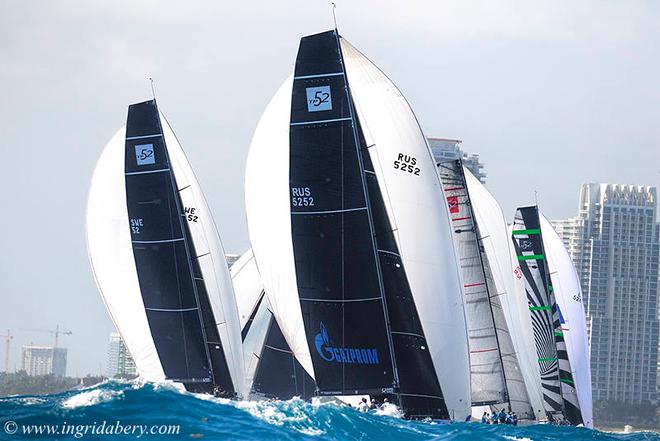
(301, 197)
(190, 214)
(406, 163)
(136, 224)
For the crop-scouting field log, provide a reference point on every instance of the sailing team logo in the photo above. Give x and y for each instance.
(452, 203)
(318, 98)
(343, 355)
(526, 245)
(144, 154)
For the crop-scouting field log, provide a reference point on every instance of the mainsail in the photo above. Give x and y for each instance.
(575, 368)
(523, 379)
(272, 370)
(482, 306)
(340, 280)
(158, 261)
(528, 243)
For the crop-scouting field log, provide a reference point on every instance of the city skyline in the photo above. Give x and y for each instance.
(548, 96)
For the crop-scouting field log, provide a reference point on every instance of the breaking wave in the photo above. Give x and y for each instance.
(112, 404)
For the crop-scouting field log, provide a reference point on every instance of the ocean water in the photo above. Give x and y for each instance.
(129, 410)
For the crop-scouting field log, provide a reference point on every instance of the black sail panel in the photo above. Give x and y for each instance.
(176, 303)
(279, 375)
(336, 264)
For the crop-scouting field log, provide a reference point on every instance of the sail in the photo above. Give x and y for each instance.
(269, 219)
(111, 257)
(278, 374)
(337, 269)
(522, 376)
(171, 296)
(398, 166)
(527, 241)
(486, 369)
(576, 375)
(222, 320)
(247, 286)
(272, 370)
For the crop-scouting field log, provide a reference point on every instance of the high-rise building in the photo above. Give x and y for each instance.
(444, 149)
(614, 243)
(44, 360)
(120, 362)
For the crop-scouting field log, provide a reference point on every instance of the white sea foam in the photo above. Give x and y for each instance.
(389, 409)
(90, 398)
(514, 438)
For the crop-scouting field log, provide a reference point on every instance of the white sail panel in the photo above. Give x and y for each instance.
(269, 219)
(210, 256)
(568, 295)
(498, 248)
(111, 256)
(247, 285)
(418, 214)
(254, 342)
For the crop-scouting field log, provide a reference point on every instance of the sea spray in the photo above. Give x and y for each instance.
(141, 407)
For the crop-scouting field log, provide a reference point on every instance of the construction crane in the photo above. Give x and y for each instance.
(57, 332)
(8, 337)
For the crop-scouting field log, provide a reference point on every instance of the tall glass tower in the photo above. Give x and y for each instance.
(614, 242)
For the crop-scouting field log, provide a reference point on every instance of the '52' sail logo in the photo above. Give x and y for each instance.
(318, 98)
(144, 154)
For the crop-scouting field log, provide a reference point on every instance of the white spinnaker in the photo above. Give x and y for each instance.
(269, 219)
(247, 285)
(212, 261)
(568, 295)
(496, 240)
(418, 212)
(111, 256)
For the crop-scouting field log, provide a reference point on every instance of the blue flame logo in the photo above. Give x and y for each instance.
(343, 355)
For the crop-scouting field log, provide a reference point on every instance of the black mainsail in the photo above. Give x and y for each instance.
(363, 330)
(177, 304)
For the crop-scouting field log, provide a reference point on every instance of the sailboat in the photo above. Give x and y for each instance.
(575, 367)
(272, 371)
(352, 237)
(550, 344)
(158, 261)
(496, 378)
(495, 240)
